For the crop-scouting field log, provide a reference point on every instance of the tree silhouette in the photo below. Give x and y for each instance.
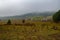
(56, 16)
(9, 22)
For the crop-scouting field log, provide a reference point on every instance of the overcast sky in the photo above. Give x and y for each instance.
(19, 7)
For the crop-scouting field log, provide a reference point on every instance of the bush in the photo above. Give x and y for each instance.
(9, 22)
(23, 21)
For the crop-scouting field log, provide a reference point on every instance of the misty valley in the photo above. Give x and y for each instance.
(38, 26)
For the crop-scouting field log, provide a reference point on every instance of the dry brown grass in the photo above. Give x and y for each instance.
(39, 31)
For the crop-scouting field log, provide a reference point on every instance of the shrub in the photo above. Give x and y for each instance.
(23, 21)
(9, 22)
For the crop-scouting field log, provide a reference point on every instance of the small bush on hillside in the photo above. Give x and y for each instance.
(9, 22)
(23, 21)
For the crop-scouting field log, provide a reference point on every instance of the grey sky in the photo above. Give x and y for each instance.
(19, 7)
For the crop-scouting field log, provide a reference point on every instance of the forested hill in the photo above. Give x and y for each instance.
(35, 14)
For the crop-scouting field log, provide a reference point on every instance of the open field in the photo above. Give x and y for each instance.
(27, 31)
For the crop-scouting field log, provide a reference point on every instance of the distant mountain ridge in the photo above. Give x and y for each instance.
(29, 15)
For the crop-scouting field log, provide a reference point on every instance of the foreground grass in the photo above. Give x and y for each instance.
(41, 31)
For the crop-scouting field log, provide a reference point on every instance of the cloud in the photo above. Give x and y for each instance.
(19, 7)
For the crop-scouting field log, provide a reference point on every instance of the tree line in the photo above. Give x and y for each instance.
(56, 18)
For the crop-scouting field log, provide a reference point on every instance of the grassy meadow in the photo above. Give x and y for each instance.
(30, 30)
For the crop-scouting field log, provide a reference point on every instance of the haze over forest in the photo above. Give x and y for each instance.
(20, 7)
